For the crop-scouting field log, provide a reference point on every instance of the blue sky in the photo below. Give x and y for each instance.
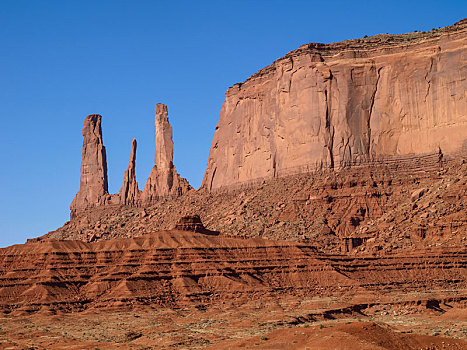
(62, 60)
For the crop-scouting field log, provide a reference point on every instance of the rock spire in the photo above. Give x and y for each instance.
(129, 193)
(164, 179)
(93, 182)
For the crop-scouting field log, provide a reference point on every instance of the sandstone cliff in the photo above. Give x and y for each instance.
(334, 105)
(93, 182)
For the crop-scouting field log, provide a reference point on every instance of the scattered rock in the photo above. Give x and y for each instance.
(417, 194)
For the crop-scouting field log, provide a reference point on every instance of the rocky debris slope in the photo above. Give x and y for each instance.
(164, 181)
(357, 209)
(335, 105)
(176, 268)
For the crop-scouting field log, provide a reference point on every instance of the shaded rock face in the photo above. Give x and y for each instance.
(164, 179)
(93, 182)
(193, 223)
(129, 193)
(333, 105)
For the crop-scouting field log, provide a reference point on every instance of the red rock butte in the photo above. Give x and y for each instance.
(335, 105)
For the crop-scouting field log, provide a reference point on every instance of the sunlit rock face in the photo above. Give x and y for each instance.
(93, 180)
(334, 105)
(164, 179)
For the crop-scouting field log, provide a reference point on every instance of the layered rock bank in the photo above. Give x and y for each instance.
(334, 105)
(179, 268)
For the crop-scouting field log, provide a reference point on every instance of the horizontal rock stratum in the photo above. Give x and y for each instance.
(177, 268)
(333, 105)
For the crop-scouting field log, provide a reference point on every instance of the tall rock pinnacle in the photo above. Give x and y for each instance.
(129, 193)
(93, 182)
(163, 135)
(163, 180)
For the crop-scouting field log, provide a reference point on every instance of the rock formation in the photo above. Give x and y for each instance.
(193, 223)
(334, 105)
(164, 179)
(176, 268)
(93, 182)
(129, 193)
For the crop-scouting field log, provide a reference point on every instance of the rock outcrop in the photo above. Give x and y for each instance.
(93, 182)
(129, 193)
(193, 223)
(164, 180)
(334, 105)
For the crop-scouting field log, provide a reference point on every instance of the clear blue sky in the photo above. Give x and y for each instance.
(62, 60)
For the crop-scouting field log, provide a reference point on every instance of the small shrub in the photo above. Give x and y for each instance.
(321, 326)
(365, 36)
(264, 337)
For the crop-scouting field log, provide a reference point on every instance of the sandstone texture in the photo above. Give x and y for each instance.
(334, 105)
(164, 179)
(93, 182)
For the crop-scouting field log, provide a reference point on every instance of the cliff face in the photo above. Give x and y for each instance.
(333, 105)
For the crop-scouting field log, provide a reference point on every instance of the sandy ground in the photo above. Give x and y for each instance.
(276, 324)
